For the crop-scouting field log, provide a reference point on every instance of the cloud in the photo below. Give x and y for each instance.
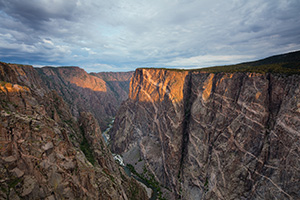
(99, 67)
(208, 60)
(48, 42)
(130, 34)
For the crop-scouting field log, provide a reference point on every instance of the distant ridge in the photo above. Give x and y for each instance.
(287, 57)
(288, 63)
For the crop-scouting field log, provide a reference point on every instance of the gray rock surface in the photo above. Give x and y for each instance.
(98, 93)
(214, 136)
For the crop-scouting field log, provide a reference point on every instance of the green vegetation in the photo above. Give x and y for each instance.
(169, 69)
(110, 176)
(149, 179)
(10, 184)
(282, 64)
(7, 185)
(86, 149)
(206, 184)
(280, 68)
(134, 191)
(2, 83)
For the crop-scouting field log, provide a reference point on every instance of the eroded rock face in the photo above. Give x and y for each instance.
(98, 93)
(151, 120)
(242, 138)
(214, 136)
(118, 82)
(41, 154)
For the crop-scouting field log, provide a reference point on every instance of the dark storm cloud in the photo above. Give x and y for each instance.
(124, 34)
(35, 13)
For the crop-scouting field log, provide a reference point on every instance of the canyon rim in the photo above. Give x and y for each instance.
(229, 132)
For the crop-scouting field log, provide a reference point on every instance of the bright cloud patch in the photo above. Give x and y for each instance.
(207, 60)
(137, 33)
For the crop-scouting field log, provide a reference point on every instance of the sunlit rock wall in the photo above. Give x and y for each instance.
(214, 136)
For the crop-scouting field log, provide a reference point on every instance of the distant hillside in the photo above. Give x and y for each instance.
(288, 63)
(118, 82)
(285, 63)
(98, 93)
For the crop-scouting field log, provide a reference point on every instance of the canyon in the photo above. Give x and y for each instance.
(228, 132)
(48, 153)
(218, 134)
(98, 93)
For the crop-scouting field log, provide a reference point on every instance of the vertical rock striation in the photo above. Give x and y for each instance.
(151, 120)
(214, 135)
(242, 137)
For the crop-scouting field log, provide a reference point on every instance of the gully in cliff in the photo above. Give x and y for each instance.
(216, 133)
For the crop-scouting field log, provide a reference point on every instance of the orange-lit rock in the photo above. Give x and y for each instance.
(40, 146)
(77, 76)
(227, 135)
(98, 93)
(151, 85)
(207, 86)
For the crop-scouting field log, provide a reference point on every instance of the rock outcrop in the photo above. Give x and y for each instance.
(118, 82)
(45, 153)
(98, 93)
(214, 135)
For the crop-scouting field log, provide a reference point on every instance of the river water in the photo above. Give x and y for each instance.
(119, 158)
(105, 134)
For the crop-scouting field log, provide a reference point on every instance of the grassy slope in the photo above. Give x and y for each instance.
(285, 64)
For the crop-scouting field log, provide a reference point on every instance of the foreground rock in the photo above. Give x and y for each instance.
(45, 153)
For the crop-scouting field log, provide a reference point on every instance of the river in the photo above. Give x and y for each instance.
(119, 158)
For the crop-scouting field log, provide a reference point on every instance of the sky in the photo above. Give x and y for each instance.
(121, 35)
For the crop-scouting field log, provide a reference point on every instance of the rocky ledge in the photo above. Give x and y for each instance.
(45, 153)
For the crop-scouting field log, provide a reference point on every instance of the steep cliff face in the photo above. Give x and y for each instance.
(213, 135)
(98, 93)
(242, 137)
(45, 153)
(118, 82)
(151, 121)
